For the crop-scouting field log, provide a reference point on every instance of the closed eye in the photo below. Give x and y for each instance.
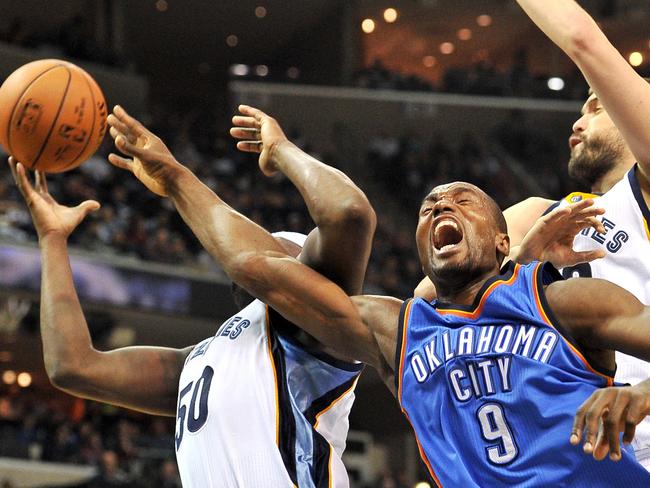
(426, 211)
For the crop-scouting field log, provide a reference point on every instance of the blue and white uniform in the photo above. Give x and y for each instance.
(257, 410)
(491, 389)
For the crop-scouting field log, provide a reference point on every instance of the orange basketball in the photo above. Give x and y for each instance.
(52, 115)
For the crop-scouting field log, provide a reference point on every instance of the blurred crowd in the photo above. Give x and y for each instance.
(127, 450)
(480, 77)
(134, 222)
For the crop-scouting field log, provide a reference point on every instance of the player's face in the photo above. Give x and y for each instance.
(457, 233)
(596, 144)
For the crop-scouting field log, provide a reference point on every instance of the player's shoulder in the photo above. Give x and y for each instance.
(570, 199)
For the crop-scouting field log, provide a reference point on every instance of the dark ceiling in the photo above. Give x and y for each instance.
(183, 51)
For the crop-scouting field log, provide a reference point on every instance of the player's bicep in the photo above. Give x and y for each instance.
(140, 378)
(341, 252)
(602, 315)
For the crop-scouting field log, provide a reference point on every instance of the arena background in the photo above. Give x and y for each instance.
(425, 92)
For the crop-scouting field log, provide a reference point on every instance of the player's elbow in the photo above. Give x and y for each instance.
(582, 37)
(354, 214)
(62, 376)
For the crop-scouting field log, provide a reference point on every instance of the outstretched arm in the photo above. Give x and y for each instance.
(606, 71)
(140, 378)
(250, 256)
(603, 317)
(339, 247)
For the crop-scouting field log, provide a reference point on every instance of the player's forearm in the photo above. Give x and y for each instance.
(331, 197)
(566, 23)
(228, 236)
(64, 331)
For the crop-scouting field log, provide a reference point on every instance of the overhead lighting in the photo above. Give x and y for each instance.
(9, 377)
(293, 73)
(636, 58)
(555, 84)
(484, 20)
(262, 70)
(368, 26)
(232, 40)
(24, 380)
(260, 12)
(162, 5)
(390, 15)
(239, 69)
(464, 34)
(429, 61)
(422, 484)
(447, 48)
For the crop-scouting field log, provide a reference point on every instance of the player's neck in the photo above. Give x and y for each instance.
(462, 293)
(617, 173)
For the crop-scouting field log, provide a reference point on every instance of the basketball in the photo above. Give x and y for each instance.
(52, 115)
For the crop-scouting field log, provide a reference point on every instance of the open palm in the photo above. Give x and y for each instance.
(150, 160)
(48, 215)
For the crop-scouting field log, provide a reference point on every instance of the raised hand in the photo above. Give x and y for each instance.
(49, 217)
(607, 413)
(150, 160)
(259, 133)
(551, 238)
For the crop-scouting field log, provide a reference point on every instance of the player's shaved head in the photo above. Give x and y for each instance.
(490, 204)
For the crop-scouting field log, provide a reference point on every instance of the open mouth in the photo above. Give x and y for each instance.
(574, 141)
(446, 235)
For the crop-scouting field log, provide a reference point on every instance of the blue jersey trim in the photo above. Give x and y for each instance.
(506, 273)
(323, 402)
(287, 427)
(398, 349)
(551, 208)
(284, 328)
(638, 195)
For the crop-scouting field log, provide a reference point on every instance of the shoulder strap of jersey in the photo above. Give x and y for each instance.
(400, 349)
(633, 178)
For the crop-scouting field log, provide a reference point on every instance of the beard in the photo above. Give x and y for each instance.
(597, 157)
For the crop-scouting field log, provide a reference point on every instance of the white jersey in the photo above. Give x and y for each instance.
(627, 264)
(256, 410)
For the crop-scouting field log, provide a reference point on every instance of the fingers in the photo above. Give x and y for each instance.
(251, 111)
(41, 182)
(88, 206)
(120, 162)
(635, 414)
(249, 122)
(246, 133)
(588, 419)
(128, 148)
(21, 179)
(118, 128)
(132, 125)
(613, 424)
(250, 146)
(584, 257)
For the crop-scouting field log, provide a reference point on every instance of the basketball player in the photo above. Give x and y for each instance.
(611, 136)
(258, 404)
(490, 374)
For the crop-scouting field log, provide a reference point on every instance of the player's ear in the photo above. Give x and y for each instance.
(502, 242)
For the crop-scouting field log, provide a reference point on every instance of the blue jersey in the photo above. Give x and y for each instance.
(491, 389)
